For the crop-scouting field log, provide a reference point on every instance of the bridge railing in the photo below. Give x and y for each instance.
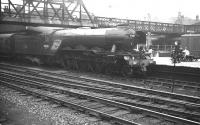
(38, 16)
(54, 13)
(192, 28)
(141, 25)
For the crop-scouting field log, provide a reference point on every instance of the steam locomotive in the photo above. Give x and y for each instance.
(106, 50)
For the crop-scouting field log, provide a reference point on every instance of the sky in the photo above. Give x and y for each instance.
(147, 10)
(160, 10)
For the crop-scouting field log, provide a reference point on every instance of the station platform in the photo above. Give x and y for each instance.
(167, 61)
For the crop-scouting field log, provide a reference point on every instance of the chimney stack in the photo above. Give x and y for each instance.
(197, 17)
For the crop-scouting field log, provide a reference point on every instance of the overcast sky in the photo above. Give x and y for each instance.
(160, 10)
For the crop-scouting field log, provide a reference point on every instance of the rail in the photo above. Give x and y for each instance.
(103, 101)
(66, 77)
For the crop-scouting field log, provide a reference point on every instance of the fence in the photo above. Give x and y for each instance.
(162, 47)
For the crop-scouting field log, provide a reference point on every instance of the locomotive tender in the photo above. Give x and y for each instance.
(107, 50)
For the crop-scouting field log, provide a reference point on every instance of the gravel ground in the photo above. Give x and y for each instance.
(20, 109)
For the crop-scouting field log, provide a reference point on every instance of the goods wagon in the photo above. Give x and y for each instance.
(192, 43)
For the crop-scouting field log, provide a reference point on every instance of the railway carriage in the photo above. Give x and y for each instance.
(107, 50)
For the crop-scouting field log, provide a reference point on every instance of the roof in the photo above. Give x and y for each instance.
(197, 23)
(191, 35)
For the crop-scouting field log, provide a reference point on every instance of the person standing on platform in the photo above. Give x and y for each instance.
(150, 51)
(187, 54)
(186, 51)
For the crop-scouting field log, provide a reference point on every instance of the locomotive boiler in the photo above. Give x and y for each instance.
(107, 50)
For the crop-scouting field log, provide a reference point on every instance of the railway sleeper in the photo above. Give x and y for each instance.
(49, 97)
(92, 113)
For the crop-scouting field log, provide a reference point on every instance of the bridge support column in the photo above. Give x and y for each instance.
(148, 40)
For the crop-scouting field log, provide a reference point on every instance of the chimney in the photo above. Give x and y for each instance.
(197, 17)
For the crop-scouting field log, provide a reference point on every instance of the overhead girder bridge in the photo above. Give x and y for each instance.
(64, 13)
(148, 26)
(73, 13)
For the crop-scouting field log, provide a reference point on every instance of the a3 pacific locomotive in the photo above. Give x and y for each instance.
(107, 50)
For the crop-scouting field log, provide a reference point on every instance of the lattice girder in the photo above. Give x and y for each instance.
(48, 11)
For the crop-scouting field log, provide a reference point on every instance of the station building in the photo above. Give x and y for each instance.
(164, 44)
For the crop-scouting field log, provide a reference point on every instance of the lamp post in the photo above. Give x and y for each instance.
(173, 81)
(176, 55)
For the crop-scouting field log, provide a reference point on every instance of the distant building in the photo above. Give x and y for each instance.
(181, 19)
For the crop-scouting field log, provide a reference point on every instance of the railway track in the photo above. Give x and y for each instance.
(152, 82)
(158, 83)
(100, 107)
(177, 71)
(172, 85)
(180, 78)
(136, 99)
(141, 98)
